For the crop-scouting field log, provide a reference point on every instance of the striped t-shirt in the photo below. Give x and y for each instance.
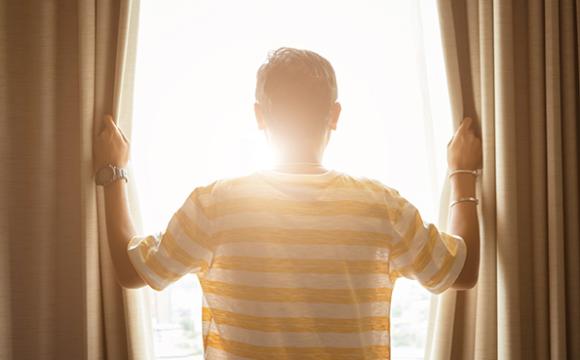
(298, 266)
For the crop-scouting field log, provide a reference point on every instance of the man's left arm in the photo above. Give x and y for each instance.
(112, 148)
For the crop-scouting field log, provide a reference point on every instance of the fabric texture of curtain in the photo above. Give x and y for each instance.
(63, 65)
(513, 65)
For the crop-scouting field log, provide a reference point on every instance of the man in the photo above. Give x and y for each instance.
(297, 261)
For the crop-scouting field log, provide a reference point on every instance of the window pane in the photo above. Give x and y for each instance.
(194, 121)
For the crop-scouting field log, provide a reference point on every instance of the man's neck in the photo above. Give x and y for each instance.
(300, 167)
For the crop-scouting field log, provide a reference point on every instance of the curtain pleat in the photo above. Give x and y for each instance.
(513, 66)
(63, 65)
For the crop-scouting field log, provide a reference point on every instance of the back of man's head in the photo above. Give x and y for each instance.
(296, 89)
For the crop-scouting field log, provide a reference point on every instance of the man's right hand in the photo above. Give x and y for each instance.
(464, 151)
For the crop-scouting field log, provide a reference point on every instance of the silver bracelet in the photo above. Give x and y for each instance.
(461, 171)
(465, 199)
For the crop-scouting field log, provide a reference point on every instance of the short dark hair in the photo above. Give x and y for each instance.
(298, 82)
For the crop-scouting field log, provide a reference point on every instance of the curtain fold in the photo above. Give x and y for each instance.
(63, 65)
(514, 67)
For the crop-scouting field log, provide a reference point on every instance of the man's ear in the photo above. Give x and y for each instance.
(259, 116)
(334, 113)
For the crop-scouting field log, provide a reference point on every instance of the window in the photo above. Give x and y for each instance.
(194, 121)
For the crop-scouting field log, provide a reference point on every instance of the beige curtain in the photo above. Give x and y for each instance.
(63, 64)
(514, 66)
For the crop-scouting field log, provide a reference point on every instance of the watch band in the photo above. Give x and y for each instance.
(121, 173)
(116, 174)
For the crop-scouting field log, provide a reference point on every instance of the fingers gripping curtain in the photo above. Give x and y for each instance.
(63, 65)
(513, 66)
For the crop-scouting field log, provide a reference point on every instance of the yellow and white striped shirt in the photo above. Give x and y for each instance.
(298, 266)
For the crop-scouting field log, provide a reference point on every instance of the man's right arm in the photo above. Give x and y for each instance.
(463, 222)
(465, 153)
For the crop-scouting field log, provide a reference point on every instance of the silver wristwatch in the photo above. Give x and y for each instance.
(110, 173)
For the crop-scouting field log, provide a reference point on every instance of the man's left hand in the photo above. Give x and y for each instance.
(110, 146)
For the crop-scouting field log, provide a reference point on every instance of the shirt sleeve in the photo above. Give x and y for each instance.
(422, 252)
(184, 247)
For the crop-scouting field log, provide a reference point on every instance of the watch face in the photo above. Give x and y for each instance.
(104, 175)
